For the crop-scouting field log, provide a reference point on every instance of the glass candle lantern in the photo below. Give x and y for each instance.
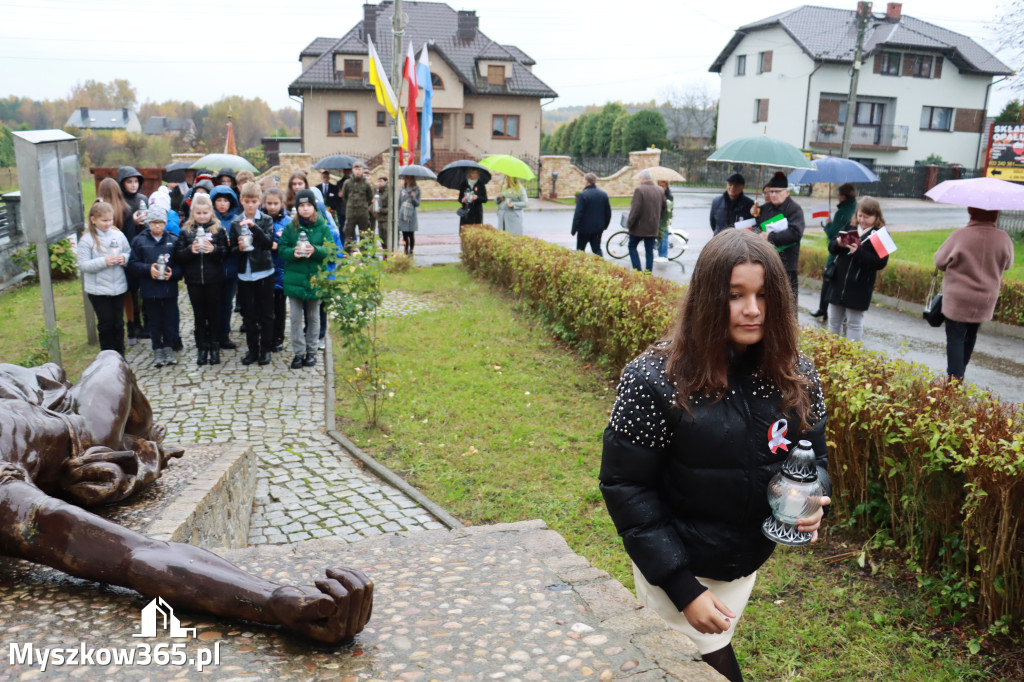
(794, 493)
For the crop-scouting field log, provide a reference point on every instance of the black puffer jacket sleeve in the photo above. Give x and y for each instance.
(633, 465)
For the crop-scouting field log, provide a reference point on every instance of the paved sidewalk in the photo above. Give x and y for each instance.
(308, 487)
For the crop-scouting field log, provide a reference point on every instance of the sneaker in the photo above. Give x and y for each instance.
(132, 341)
(169, 356)
(322, 344)
(297, 362)
(309, 361)
(158, 357)
(278, 347)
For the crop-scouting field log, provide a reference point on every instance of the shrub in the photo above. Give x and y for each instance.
(910, 282)
(63, 261)
(603, 309)
(937, 465)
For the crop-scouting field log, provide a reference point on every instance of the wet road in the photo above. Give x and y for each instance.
(997, 363)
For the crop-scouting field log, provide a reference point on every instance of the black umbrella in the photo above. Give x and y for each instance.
(454, 174)
(415, 171)
(335, 162)
(175, 172)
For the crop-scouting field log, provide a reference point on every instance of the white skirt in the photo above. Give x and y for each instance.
(734, 593)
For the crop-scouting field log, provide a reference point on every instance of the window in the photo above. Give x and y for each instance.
(760, 110)
(382, 119)
(468, 123)
(764, 62)
(341, 123)
(936, 118)
(741, 65)
(495, 74)
(354, 69)
(506, 126)
(922, 66)
(436, 81)
(889, 64)
(437, 130)
(869, 114)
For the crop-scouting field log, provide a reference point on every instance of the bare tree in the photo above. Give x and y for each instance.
(690, 114)
(1010, 27)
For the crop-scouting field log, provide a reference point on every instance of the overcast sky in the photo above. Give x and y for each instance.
(200, 51)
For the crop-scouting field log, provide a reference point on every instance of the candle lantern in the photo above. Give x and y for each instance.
(793, 493)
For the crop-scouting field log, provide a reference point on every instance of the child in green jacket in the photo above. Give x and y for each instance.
(304, 245)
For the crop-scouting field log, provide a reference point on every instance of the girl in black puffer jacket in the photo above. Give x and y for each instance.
(702, 421)
(856, 267)
(202, 259)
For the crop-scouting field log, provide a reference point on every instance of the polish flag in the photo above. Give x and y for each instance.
(882, 243)
(819, 212)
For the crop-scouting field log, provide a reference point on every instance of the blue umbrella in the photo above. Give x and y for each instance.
(833, 169)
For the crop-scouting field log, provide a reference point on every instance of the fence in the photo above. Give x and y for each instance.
(602, 166)
(10, 225)
(911, 182)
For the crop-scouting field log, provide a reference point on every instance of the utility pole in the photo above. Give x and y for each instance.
(863, 14)
(396, 140)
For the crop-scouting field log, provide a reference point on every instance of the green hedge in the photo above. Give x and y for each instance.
(910, 282)
(934, 465)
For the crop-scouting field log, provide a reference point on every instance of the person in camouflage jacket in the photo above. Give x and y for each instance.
(358, 197)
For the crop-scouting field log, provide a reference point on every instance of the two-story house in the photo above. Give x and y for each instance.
(104, 119)
(486, 98)
(922, 89)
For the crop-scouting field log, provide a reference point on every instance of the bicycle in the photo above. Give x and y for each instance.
(617, 245)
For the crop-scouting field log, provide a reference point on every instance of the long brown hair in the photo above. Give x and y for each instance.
(191, 224)
(289, 197)
(699, 349)
(870, 206)
(111, 193)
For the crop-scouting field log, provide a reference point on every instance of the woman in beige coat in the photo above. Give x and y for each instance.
(974, 259)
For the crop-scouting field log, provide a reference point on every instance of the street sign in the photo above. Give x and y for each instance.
(1005, 157)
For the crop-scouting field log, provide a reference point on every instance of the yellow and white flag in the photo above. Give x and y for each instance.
(385, 93)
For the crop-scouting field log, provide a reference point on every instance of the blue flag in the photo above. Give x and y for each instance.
(427, 122)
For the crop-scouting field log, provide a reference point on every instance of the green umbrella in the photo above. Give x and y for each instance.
(764, 151)
(508, 165)
(235, 163)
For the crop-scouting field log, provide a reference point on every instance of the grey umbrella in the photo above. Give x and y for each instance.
(335, 162)
(415, 171)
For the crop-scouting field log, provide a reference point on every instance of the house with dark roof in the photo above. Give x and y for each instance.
(922, 89)
(184, 128)
(104, 119)
(486, 98)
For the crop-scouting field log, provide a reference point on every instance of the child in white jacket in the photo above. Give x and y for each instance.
(102, 254)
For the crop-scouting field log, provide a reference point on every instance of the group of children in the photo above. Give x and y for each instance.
(222, 239)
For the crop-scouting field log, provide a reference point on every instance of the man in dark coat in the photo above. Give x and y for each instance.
(732, 205)
(329, 191)
(645, 218)
(592, 217)
(786, 241)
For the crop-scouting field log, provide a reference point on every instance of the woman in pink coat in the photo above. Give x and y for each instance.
(974, 259)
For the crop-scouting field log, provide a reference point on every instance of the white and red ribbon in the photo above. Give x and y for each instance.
(777, 436)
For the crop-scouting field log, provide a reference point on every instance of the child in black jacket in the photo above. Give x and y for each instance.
(153, 266)
(252, 242)
(201, 256)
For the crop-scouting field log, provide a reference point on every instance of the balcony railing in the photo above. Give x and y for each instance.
(826, 134)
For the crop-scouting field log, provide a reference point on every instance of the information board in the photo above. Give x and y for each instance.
(1005, 158)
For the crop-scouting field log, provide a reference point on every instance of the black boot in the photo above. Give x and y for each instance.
(265, 358)
(250, 357)
(297, 361)
(820, 313)
(226, 342)
(204, 355)
(309, 360)
(214, 354)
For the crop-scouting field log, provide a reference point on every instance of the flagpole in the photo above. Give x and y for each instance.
(396, 57)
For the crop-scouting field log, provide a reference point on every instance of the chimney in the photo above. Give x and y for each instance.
(469, 22)
(369, 21)
(85, 115)
(893, 10)
(124, 114)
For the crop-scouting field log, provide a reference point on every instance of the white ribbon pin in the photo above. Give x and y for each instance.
(777, 436)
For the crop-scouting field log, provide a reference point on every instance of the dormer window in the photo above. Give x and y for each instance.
(353, 69)
(495, 74)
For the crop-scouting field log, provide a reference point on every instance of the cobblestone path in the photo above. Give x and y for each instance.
(308, 485)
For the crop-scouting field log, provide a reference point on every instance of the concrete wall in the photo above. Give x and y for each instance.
(570, 178)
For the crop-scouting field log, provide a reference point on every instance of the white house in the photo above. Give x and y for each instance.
(104, 119)
(923, 89)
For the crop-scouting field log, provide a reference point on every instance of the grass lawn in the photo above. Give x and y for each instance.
(440, 205)
(23, 341)
(616, 202)
(497, 422)
(919, 246)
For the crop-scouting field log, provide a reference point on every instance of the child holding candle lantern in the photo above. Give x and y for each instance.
(702, 422)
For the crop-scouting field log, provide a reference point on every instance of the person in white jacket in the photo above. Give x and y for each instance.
(102, 255)
(511, 203)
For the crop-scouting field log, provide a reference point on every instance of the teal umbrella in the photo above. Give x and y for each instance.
(235, 163)
(762, 150)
